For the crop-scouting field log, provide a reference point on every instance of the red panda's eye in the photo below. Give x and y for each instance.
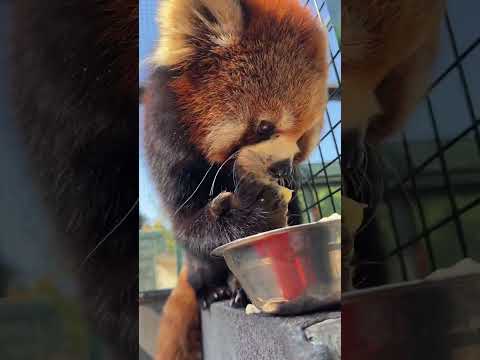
(265, 130)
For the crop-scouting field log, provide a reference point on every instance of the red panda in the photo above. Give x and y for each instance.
(235, 101)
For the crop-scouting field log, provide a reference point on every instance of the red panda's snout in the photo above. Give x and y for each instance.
(281, 169)
(269, 159)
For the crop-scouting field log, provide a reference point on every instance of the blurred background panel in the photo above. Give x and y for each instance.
(42, 315)
(428, 219)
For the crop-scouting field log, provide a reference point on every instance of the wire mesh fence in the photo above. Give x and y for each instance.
(431, 207)
(320, 178)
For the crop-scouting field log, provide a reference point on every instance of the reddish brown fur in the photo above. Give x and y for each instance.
(290, 76)
(179, 331)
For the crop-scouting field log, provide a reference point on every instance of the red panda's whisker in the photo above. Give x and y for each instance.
(194, 191)
(108, 234)
(220, 169)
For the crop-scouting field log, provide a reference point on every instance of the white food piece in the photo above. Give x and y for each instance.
(286, 194)
(252, 309)
(334, 216)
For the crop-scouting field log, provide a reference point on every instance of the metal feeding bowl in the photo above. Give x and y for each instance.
(291, 270)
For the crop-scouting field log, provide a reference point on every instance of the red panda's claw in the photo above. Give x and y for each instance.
(213, 295)
(239, 299)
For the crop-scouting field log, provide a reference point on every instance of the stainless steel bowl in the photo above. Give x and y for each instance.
(290, 270)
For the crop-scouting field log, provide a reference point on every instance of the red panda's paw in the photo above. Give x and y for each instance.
(252, 192)
(273, 200)
(264, 201)
(210, 295)
(222, 203)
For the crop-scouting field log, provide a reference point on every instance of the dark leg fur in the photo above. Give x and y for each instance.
(252, 209)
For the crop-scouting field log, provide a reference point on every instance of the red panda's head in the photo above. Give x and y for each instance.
(252, 77)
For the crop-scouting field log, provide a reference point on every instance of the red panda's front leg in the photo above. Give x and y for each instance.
(252, 208)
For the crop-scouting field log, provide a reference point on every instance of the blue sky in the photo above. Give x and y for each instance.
(150, 205)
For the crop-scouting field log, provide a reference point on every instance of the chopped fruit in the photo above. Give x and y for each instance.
(272, 306)
(286, 194)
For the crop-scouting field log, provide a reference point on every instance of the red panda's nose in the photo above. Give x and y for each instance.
(281, 169)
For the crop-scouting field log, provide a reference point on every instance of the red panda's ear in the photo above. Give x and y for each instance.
(223, 18)
(186, 25)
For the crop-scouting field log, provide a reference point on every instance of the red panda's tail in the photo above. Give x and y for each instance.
(179, 332)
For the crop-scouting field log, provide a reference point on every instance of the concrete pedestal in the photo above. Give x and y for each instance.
(230, 334)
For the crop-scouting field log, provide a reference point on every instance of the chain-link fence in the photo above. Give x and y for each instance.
(320, 178)
(431, 207)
